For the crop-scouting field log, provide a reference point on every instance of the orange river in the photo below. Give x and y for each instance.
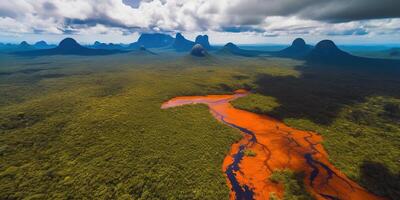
(277, 147)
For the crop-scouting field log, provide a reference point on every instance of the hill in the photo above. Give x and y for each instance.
(198, 50)
(43, 45)
(24, 45)
(327, 53)
(232, 49)
(298, 49)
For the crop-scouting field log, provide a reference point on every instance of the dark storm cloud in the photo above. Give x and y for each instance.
(90, 22)
(345, 10)
(324, 10)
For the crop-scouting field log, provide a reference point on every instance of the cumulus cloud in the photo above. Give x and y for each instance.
(265, 17)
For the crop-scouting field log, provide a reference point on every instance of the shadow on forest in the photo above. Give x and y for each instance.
(320, 92)
(376, 177)
(23, 71)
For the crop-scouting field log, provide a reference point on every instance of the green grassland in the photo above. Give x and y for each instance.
(91, 127)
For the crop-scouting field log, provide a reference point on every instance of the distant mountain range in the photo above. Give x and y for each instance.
(179, 43)
(68, 46)
(325, 52)
(24, 46)
(109, 46)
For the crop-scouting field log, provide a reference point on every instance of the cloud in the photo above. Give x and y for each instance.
(356, 31)
(325, 10)
(345, 10)
(265, 17)
(9, 25)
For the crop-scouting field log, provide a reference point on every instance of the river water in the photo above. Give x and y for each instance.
(277, 147)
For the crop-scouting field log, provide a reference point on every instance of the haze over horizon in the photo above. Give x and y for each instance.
(242, 22)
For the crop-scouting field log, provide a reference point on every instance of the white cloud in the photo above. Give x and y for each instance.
(258, 17)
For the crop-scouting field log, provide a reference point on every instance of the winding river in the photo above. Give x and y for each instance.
(277, 147)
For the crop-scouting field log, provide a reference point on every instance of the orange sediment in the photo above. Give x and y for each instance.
(277, 147)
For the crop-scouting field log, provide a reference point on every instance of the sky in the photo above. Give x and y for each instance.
(238, 21)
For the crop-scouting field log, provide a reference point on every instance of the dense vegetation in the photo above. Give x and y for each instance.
(293, 185)
(357, 112)
(91, 127)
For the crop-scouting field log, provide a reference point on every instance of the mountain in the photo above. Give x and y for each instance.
(69, 46)
(232, 49)
(181, 43)
(327, 53)
(198, 50)
(24, 46)
(152, 40)
(7, 47)
(3, 47)
(43, 45)
(109, 46)
(203, 40)
(298, 49)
